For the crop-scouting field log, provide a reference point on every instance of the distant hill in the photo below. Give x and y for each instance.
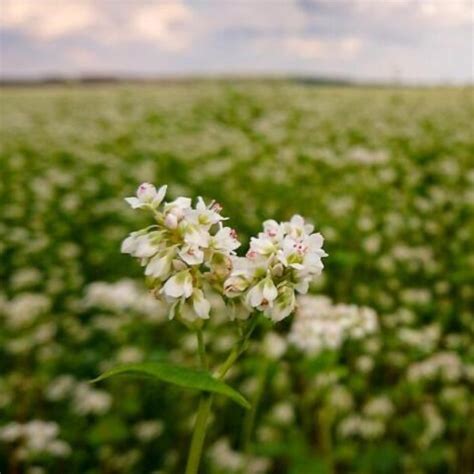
(93, 80)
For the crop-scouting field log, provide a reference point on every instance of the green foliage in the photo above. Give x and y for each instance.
(181, 376)
(385, 175)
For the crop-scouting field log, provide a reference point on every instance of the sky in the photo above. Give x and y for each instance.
(420, 41)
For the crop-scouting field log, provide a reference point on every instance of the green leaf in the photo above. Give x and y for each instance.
(177, 375)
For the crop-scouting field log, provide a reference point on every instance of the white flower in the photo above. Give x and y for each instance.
(200, 304)
(186, 252)
(225, 240)
(88, 400)
(147, 196)
(297, 227)
(174, 211)
(262, 294)
(284, 304)
(35, 437)
(171, 220)
(149, 429)
(179, 285)
(160, 265)
(235, 285)
(320, 325)
(139, 245)
(274, 346)
(273, 230)
(203, 215)
(192, 255)
(262, 246)
(195, 236)
(282, 260)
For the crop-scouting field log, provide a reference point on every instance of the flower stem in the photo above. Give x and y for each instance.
(204, 410)
(250, 416)
(205, 402)
(201, 349)
(199, 434)
(236, 351)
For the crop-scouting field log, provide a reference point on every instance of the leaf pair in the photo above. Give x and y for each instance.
(177, 375)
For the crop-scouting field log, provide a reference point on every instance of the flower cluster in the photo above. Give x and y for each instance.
(281, 261)
(123, 295)
(189, 252)
(319, 324)
(35, 438)
(186, 253)
(446, 365)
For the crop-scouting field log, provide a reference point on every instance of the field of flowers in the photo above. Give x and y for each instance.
(375, 371)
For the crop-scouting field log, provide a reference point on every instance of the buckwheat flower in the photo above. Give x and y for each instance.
(262, 294)
(35, 437)
(225, 240)
(283, 413)
(319, 324)
(204, 215)
(273, 346)
(179, 285)
(200, 304)
(379, 407)
(88, 400)
(186, 253)
(148, 430)
(174, 211)
(147, 196)
(139, 244)
(160, 265)
(281, 261)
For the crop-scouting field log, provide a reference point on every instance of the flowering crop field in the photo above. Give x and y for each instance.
(374, 373)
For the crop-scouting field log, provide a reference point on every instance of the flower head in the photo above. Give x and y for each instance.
(281, 260)
(186, 252)
(147, 196)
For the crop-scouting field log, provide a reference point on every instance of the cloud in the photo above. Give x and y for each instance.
(49, 19)
(437, 12)
(448, 13)
(314, 48)
(169, 24)
(421, 39)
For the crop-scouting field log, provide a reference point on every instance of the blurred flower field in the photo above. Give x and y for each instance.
(375, 372)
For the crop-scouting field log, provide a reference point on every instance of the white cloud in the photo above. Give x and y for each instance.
(263, 17)
(168, 24)
(449, 13)
(317, 48)
(422, 38)
(47, 19)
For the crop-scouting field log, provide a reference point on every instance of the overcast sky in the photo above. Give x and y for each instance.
(410, 40)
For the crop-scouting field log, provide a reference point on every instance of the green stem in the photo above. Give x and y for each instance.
(251, 415)
(201, 349)
(205, 403)
(204, 410)
(237, 350)
(324, 419)
(199, 434)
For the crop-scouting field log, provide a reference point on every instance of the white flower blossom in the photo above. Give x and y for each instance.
(282, 260)
(319, 324)
(147, 196)
(35, 437)
(186, 252)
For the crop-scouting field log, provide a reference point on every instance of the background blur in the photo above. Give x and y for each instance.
(427, 41)
(356, 114)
